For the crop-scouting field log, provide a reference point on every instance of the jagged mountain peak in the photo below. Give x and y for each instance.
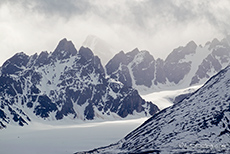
(17, 59)
(180, 52)
(64, 49)
(42, 59)
(95, 60)
(114, 63)
(86, 53)
(214, 43)
(134, 51)
(191, 45)
(15, 63)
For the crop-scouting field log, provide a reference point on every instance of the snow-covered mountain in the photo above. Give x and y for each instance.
(183, 67)
(100, 48)
(198, 124)
(64, 84)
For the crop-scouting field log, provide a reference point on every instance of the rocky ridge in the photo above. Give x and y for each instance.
(183, 67)
(64, 84)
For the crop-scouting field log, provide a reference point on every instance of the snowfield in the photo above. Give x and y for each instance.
(164, 99)
(38, 138)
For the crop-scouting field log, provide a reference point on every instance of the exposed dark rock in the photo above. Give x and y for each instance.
(176, 70)
(137, 64)
(15, 64)
(160, 73)
(115, 62)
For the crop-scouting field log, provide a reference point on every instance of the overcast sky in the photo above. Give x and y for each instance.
(158, 26)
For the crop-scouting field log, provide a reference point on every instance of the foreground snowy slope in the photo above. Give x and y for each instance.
(198, 124)
(64, 84)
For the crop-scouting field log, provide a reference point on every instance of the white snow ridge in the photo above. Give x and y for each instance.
(198, 124)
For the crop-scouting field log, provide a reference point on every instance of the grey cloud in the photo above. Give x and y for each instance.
(65, 8)
(166, 10)
(180, 12)
(132, 12)
(219, 17)
(61, 8)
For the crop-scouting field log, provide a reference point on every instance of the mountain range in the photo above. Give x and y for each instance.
(64, 84)
(183, 67)
(71, 84)
(200, 123)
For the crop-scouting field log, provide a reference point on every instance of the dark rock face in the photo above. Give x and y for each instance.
(15, 64)
(64, 84)
(160, 72)
(143, 68)
(64, 50)
(118, 70)
(198, 124)
(44, 107)
(175, 69)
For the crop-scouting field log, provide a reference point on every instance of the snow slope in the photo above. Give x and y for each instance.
(198, 124)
